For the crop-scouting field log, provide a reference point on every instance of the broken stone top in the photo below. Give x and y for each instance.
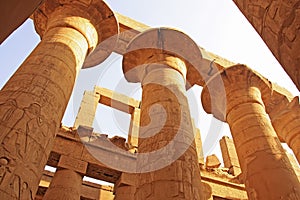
(155, 45)
(93, 19)
(226, 90)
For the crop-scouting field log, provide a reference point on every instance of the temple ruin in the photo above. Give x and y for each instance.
(162, 157)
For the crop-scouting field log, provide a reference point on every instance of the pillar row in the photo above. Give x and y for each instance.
(33, 101)
(236, 96)
(167, 162)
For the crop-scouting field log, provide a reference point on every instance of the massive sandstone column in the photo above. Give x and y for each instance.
(167, 162)
(266, 169)
(67, 180)
(277, 22)
(65, 185)
(33, 101)
(286, 122)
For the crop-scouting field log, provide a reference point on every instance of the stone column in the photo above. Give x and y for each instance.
(167, 162)
(67, 180)
(33, 101)
(286, 122)
(266, 169)
(65, 185)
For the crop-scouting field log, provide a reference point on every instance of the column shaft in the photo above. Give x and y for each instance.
(32, 104)
(166, 133)
(266, 169)
(291, 134)
(287, 126)
(65, 185)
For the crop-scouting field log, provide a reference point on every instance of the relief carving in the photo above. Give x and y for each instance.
(24, 140)
(9, 116)
(16, 140)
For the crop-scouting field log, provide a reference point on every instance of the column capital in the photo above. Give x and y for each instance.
(165, 46)
(92, 18)
(217, 95)
(285, 119)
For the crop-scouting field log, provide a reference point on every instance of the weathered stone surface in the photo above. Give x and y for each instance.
(133, 133)
(65, 185)
(166, 133)
(216, 185)
(76, 165)
(212, 161)
(198, 143)
(87, 110)
(229, 155)
(286, 122)
(101, 36)
(33, 101)
(277, 22)
(125, 187)
(81, 152)
(263, 161)
(14, 13)
(88, 189)
(116, 100)
(143, 50)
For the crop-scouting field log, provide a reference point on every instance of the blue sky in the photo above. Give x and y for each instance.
(216, 25)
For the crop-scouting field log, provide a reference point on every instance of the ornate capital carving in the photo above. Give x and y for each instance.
(168, 47)
(92, 18)
(231, 87)
(286, 120)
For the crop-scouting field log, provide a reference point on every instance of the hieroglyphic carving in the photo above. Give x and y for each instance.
(9, 116)
(24, 138)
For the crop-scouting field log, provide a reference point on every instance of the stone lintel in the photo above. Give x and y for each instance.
(101, 36)
(218, 185)
(116, 100)
(126, 179)
(76, 165)
(68, 146)
(129, 28)
(220, 87)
